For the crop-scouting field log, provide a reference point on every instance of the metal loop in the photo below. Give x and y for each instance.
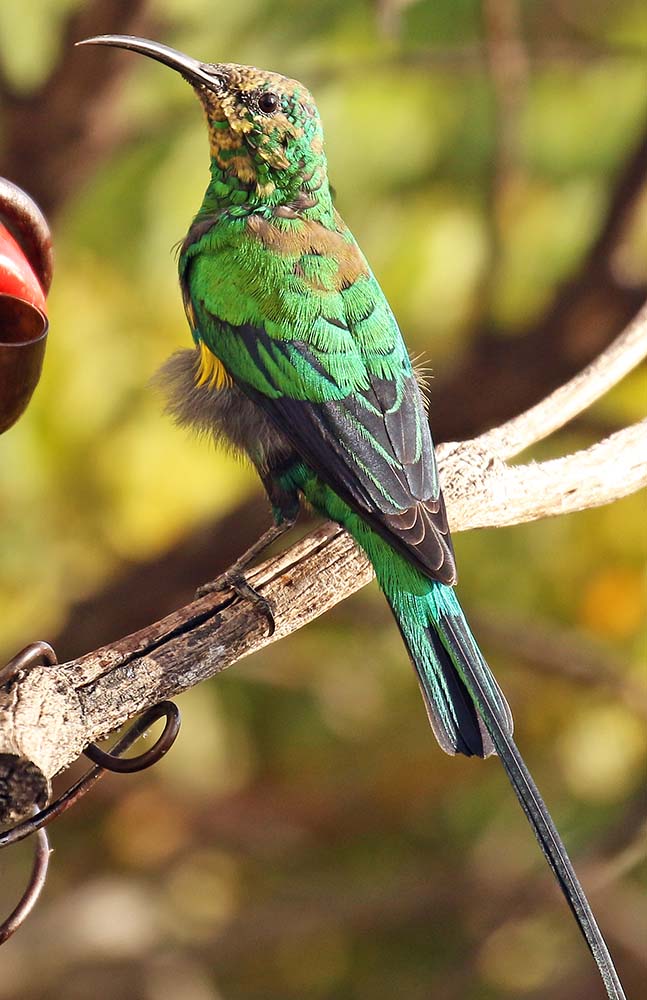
(113, 761)
(42, 653)
(35, 654)
(70, 797)
(34, 888)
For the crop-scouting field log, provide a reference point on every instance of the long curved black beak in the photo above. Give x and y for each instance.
(193, 71)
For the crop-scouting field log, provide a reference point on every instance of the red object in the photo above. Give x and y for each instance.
(16, 274)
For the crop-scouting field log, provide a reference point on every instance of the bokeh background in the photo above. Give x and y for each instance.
(306, 837)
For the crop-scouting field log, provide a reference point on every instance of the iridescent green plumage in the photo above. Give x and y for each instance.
(300, 364)
(284, 299)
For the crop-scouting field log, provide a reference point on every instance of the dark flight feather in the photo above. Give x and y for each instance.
(362, 447)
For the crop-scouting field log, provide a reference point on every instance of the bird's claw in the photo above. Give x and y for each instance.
(241, 586)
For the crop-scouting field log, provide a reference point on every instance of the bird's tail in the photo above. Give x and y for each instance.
(470, 715)
(438, 639)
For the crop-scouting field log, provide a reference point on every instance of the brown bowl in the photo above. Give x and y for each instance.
(23, 335)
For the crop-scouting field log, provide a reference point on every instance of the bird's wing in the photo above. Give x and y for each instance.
(325, 360)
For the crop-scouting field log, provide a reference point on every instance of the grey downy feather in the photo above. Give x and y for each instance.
(225, 414)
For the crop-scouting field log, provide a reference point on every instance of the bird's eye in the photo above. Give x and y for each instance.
(268, 102)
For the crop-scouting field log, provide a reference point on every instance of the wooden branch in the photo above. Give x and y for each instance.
(606, 471)
(50, 714)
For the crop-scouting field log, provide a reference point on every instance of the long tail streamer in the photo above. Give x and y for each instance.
(535, 809)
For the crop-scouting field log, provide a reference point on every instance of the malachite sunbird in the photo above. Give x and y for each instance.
(299, 364)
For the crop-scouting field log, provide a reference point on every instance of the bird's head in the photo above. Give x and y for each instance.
(264, 129)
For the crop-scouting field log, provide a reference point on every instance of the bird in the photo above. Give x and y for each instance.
(299, 363)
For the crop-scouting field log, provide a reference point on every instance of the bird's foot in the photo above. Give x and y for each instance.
(233, 579)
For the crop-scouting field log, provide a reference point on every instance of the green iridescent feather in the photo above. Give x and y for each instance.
(292, 311)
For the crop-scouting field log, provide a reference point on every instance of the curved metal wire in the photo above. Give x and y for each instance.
(165, 709)
(34, 888)
(42, 653)
(113, 761)
(35, 654)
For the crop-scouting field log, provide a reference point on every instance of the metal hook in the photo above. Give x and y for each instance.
(35, 654)
(113, 761)
(165, 709)
(41, 652)
(34, 888)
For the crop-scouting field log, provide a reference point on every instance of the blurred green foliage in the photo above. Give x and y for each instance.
(306, 838)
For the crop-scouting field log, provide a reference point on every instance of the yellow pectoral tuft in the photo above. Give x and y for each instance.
(211, 370)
